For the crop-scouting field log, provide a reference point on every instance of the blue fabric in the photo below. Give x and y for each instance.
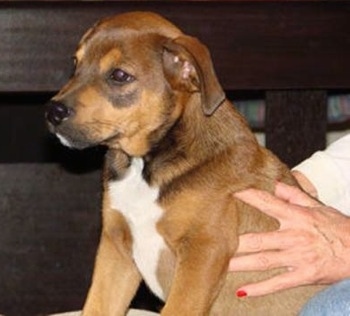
(333, 301)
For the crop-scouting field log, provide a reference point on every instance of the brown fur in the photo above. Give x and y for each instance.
(197, 149)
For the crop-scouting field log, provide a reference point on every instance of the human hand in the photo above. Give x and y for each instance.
(313, 242)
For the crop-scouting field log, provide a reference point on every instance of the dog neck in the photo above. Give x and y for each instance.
(195, 139)
(191, 141)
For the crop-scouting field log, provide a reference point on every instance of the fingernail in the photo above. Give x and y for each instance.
(241, 293)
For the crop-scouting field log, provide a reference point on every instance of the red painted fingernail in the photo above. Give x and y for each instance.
(241, 293)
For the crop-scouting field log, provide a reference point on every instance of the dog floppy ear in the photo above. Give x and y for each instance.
(188, 65)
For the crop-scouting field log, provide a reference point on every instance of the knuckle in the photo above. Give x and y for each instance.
(263, 262)
(255, 242)
(313, 255)
(303, 238)
(311, 276)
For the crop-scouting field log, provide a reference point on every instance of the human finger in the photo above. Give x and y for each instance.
(274, 240)
(258, 261)
(294, 195)
(265, 202)
(280, 282)
(305, 183)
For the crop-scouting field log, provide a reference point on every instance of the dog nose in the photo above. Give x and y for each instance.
(57, 112)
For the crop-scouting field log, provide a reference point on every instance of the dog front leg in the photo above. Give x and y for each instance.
(200, 272)
(115, 278)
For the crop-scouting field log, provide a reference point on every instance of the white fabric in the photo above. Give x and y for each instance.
(132, 312)
(329, 172)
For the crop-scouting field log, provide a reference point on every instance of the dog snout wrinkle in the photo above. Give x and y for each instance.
(57, 112)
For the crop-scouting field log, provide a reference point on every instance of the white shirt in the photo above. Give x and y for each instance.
(329, 172)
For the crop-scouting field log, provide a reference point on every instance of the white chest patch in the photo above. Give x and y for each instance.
(63, 141)
(136, 200)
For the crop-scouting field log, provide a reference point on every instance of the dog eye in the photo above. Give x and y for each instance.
(120, 76)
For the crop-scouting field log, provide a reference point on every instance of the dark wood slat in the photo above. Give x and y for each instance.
(49, 233)
(255, 45)
(296, 123)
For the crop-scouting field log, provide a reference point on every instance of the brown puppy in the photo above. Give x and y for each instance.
(177, 151)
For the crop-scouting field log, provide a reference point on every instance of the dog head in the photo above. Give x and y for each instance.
(134, 74)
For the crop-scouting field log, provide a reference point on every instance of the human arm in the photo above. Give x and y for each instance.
(313, 241)
(326, 174)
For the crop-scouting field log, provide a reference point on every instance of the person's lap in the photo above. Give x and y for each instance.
(132, 312)
(333, 301)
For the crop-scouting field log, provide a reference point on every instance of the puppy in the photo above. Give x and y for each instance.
(177, 150)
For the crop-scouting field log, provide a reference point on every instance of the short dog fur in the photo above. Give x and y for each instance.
(177, 150)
